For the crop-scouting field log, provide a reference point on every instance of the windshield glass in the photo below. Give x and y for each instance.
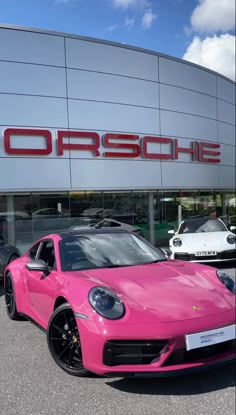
(202, 225)
(89, 251)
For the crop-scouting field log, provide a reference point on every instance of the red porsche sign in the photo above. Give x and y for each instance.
(115, 145)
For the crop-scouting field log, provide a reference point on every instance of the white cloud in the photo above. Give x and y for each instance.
(214, 15)
(129, 22)
(125, 4)
(216, 53)
(112, 27)
(148, 19)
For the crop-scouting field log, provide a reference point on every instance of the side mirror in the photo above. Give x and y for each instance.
(232, 228)
(38, 265)
(171, 231)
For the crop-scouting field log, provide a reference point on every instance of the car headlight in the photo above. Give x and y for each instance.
(177, 242)
(106, 303)
(227, 280)
(231, 239)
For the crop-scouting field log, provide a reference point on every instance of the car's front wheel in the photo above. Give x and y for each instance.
(64, 341)
(10, 298)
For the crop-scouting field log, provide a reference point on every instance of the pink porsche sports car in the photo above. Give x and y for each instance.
(112, 304)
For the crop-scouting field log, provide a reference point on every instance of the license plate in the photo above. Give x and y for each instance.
(206, 253)
(210, 337)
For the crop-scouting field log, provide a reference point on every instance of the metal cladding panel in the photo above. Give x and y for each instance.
(33, 111)
(226, 133)
(226, 112)
(226, 90)
(23, 46)
(99, 57)
(227, 177)
(176, 124)
(186, 101)
(227, 156)
(186, 76)
(112, 88)
(34, 174)
(28, 79)
(113, 117)
(182, 175)
(53, 82)
(112, 174)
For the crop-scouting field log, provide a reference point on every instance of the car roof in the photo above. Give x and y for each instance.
(89, 231)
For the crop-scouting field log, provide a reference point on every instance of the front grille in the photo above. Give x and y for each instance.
(183, 256)
(133, 352)
(183, 356)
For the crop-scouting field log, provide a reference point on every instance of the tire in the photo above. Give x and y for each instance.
(10, 299)
(64, 341)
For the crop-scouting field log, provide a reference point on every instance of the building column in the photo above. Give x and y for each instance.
(223, 204)
(11, 221)
(151, 221)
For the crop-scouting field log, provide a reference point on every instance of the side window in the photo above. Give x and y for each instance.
(33, 251)
(47, 253)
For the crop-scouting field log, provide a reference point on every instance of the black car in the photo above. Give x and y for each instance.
(7, 254)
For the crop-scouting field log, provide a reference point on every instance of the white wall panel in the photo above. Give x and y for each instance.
(226, 112)
(226, 133)
(112, 174)
(227, 177)
(227, 155)
(113, 117)
(226, 90)
(93, 56)
(186, 76)
(20, 78)
(20, 46)
(111, 88)
(189, 175)
(190, 126)
(189, 102)
(27, 111)
(33, 174)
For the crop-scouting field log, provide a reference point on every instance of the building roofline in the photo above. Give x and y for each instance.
(110, 43)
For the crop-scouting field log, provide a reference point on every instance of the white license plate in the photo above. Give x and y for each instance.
(210, 337)
(206, 253)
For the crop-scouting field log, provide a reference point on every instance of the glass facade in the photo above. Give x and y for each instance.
(24, 218)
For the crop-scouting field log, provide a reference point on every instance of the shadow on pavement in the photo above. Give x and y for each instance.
(215, 379)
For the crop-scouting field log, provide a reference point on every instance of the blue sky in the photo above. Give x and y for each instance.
(202, 31)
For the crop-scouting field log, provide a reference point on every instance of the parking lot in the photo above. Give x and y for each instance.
(31, 383)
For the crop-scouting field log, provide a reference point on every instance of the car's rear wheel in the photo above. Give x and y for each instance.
(10, 298)
(64, 341)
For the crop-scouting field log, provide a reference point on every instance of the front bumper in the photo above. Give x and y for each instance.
(133, 349)
(229, 255)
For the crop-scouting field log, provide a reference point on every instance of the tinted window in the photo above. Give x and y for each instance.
(47, 253)
(105, 250)
(202, 225)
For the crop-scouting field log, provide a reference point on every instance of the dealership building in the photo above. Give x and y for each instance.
(92, 129)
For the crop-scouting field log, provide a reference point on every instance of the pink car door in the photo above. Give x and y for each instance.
(42, 288)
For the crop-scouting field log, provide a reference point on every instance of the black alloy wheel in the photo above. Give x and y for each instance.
(10, 299)
(64, 341)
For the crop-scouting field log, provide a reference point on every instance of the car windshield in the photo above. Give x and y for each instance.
(105, 250)
(202, 225)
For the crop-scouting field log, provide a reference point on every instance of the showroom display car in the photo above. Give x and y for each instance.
(203, 240)
(110, 223)
(8, 253)
(112, 304)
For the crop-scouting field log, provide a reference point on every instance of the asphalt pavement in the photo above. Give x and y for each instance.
(31, 383)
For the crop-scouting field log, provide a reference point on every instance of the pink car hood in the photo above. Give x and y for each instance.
(169, 290)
